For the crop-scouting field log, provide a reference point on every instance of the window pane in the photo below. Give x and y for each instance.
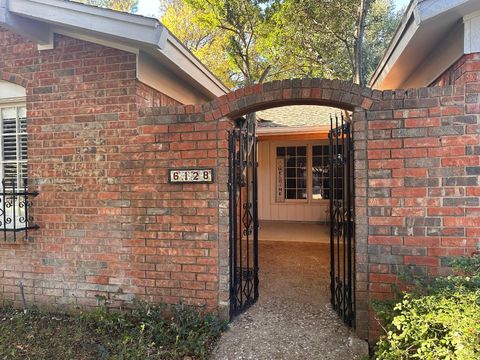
(291, 172)
(320, 172)
(291, 161)
(301, 161)
(302, 194)
(291, 194)
(295, 171)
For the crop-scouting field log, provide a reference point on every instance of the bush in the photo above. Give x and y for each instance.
(440, 319)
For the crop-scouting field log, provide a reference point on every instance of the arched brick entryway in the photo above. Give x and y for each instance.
(218, 115)
(336, 93)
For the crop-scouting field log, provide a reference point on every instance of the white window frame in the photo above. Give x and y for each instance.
(273, 180)
(13, 103)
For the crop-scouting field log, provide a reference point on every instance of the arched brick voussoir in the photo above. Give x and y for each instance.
(14, 78)
(336, 93)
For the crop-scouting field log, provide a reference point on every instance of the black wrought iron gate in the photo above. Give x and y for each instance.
(243, 216)
(342, 232)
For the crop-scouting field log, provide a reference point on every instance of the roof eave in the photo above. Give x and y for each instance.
(421, 18)
(37, 19)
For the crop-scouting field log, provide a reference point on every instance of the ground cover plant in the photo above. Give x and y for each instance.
(144, 333)
(438, 319)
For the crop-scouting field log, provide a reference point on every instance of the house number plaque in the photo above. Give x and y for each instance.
(189, 176)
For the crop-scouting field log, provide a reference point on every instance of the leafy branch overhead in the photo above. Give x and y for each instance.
(248, 41)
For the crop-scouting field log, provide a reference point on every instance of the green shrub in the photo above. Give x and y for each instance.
(440, 319)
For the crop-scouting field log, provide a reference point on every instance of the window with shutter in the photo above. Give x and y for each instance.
(13, 144)
(14, 195)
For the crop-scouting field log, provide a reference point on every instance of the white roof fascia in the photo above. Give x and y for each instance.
(394, 54)
(99, 20)
(96, 40)
(433, 17)
(427, 10)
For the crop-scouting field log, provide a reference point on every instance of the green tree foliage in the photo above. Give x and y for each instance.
(119, 5)
(380, 26)
(248, 41)
(320, 36)
(205, 42)
(240, 26)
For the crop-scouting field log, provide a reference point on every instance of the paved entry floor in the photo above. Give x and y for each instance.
(293, 318)
(294, 231)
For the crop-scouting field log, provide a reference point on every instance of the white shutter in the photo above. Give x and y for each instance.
(13, 147)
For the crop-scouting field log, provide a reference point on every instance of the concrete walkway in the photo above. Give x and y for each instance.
(293, 318)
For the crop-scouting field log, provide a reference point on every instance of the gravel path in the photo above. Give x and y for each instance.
(293, 318)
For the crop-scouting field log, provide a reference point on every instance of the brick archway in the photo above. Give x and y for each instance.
(335, 93)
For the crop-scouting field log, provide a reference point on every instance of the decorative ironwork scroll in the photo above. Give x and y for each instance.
(15, 204)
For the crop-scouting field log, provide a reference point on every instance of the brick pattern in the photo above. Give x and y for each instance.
(103, 224)
(150, 97)
(465, 70)
(112, 225)
(423, 183)
(182, 239)
(416, 174)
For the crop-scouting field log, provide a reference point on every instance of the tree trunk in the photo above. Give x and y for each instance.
(359, 32)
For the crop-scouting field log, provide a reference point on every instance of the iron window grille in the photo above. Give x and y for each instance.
(15, 204)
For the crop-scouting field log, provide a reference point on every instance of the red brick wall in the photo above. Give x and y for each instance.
(465, 70)
(190, 220)
(110, 224)
(150, 97)
(423, 161)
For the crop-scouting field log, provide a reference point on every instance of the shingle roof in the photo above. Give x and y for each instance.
(297, 116)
